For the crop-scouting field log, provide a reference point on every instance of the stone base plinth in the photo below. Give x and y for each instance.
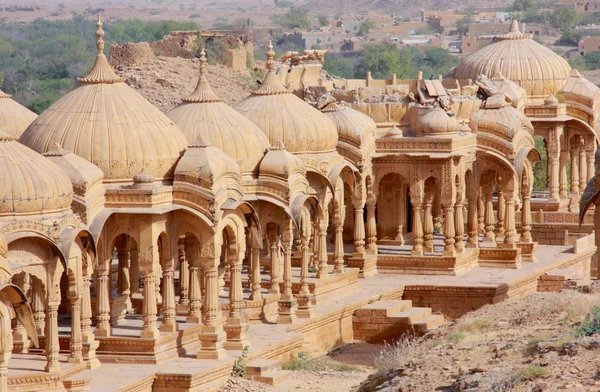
(367, 264)
(287, 311)
(500, 257)
(528, 251)
(435, 264)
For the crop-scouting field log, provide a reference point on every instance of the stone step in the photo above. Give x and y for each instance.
(409, 316)
(383, 308)
(430, 322)
(260, 367)
(275, 378)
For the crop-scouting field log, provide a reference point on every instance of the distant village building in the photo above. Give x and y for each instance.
(588, 45)
(585, 7)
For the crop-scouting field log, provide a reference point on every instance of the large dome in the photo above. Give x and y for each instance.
(14, 117)
(519, 58)
(205, 115)
(281, 115)
(31, 184)
(106, 122)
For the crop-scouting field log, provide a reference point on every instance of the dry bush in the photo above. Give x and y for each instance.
(472, 325)
(397, 354)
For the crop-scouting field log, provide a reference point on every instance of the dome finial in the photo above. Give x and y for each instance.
(270, 55)
(514, 27)
(203, 92)
(203, 68)
(100, 35)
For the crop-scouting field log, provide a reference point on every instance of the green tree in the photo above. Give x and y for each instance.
(365, 27)
(295, 18)
(564, 18)
(383, 59)
(339, 66)
(522, 5)
(540, 177)
(592, 60)
(462, 25)
(323, 20)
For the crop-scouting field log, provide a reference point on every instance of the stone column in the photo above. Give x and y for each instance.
(323, 271)
(212, 335)
(591, 162)
(526, 217)
(582, 166)
(510, 236)
(563, 175)
(275, 271)
(255, 270)
(123, 258)
(428, 227)
(237, 325)
(449, 233)
(287, 303)
(371, 228)
(359, 232)
(338, 252)
(480, 212)
(76, 346)
(500, 213)
(103, 327)
(472, 223)
(20, 333)
(158, 279)
(195, 313)
(184, 275)
(575, 171)
(52, 344)
(37, 306)
(134, 271)
(489, 236)
(554, 170)
(304, 266)
(417, 249)
(169, 323)
(459, 226)
(87, 335)
(4, 358)
(150, 329)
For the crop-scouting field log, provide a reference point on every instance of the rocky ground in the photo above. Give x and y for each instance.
(519, 345)
(166, 80)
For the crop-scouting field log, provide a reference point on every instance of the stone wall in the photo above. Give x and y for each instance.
(130, 54)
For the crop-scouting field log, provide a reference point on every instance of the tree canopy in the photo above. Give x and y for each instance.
(565, 17)
(295, 18)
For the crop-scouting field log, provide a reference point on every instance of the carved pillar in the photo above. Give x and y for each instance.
(371, 228)
(158, 280)
(526, 217)
(134, 271)
(212, 335)
(510, 235)
(37, 305)
(428, 226)
(237, 325)
(275, 271)
(554, 170)
(472, 223)
(184, 275)
(87, 335)
(417, 249)
(149, 330)
(76, 346)
(489, 236)
(255, 270)
(563, 175)
(20, 333)
(195, 313)
(480, 212)
(287, 303)
(459, 226)
(4, 358)
(500, 213)
(304, 266)
(582, 166)
(323, 271)
(169, 323)
(52, 344)
(575, 170)
(591, 162)
(359, 232)
(103, 301)
(123, 258)
(449, 233)
(338, 252)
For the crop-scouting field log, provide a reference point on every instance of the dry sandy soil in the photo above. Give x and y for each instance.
(519, 345)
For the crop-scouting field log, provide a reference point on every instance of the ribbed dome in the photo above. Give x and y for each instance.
(437, 121)
(109, 124)
(281, 115)
(500, 120)
(31, 184)
(534, 67)
(203, 114)
(352, 125)
(14, 117)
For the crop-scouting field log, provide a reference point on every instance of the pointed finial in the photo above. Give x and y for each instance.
(514, 27)
(100, 35)
(270, 55)
(203, 68)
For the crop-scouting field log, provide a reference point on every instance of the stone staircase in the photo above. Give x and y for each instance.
(389, 320)
(268, 371)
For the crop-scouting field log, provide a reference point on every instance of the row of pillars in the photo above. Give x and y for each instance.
(582, 170)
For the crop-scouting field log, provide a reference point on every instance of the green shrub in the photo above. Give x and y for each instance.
(532, 372)
(590, 324)
(240, 367)
(456, 337)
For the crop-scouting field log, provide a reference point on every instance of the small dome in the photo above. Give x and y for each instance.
(204, 114)
(281, 115)
(579, 86)
(31, 184)
(279, 162)
(437, 121)
(143, 179)
(503, 121)
(519, 58)
(14, 117)
(352, 125)
(551, 100)
(82, 173)
(106, 122)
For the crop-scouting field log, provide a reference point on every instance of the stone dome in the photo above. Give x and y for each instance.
(14, 117)
(437, 121)
(106, 122)
(205, 115)
(281, 115)
(519, 58)
(352, 125)
(31, 184)
(500, 119)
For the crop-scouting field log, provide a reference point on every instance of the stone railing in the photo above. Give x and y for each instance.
(585, 243)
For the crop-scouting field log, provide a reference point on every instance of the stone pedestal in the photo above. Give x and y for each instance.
(287, 310)
(212, 338)
(366, 263)
(236, 334)
(305, 306)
